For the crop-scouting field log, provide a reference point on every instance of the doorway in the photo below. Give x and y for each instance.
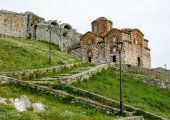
(89, 59)
(114, 58)
(139, 61)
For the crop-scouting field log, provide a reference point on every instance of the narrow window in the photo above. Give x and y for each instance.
(139, 61)
(114, 58)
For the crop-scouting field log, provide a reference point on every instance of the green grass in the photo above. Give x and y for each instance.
(55, 110)
(135, 93)
(21, 54)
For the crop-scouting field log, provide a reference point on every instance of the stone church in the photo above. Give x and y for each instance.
(98, 45)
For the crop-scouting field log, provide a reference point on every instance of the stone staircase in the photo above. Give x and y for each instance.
(71, 76)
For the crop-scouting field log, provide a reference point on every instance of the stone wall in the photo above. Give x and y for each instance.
(13, 24)
(135, 69)
(132, 118)
(83, 75)
(113, 103)
(157, 82)
(159, 78)
(37, 73)
(135, 50)
(65, 38)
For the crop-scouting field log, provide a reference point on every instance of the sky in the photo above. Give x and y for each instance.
(152, 17)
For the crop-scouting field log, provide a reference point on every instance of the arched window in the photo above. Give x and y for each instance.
(54, 23)
(89, 42)
(67, 27)
(95, 29)
(102, 29)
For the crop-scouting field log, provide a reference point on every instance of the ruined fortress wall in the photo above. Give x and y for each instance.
(60, 36)
(13, 24)
(28, 25)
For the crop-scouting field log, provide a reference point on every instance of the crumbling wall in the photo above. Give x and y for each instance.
(30, 26)
(13, 24)
(61, 36)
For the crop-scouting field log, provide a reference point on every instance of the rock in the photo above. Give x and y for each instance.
(3, 100)
(22, 104)
(38, 107)
(11, 100)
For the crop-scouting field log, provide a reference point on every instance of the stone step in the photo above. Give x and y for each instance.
(95, 104)
(132, 118)
(42, 82)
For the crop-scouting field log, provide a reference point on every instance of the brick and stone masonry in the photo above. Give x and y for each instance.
(99, 45)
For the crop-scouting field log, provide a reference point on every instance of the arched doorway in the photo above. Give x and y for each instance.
(89, 55)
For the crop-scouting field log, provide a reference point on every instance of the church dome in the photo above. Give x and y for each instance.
(101, 26)
(101, 18)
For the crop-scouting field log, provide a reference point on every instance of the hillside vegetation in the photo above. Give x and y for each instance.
(136, 93)
(21, 54)
(56, 110)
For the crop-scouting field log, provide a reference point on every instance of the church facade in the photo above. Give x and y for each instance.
(98, 45)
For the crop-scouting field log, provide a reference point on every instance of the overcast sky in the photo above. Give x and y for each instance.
(152, 17)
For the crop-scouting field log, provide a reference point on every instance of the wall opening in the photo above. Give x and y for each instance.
(89, 55)
(67, 27)
(139, 61)
(29, 36)
(35, 31)
(114, 58)
(54, 23)
(89, 59)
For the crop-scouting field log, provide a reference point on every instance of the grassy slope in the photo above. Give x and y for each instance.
(55, 110)
(21, 54)
(136, 93)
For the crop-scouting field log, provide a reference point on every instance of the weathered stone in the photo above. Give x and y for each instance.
(132, 118)
(83, 75)
(21, 104)
(38, 107)
(3, 100)
(26, 74)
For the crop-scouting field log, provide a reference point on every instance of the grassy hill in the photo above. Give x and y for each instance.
(20, 54)
(56, 110)
(135, 93)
